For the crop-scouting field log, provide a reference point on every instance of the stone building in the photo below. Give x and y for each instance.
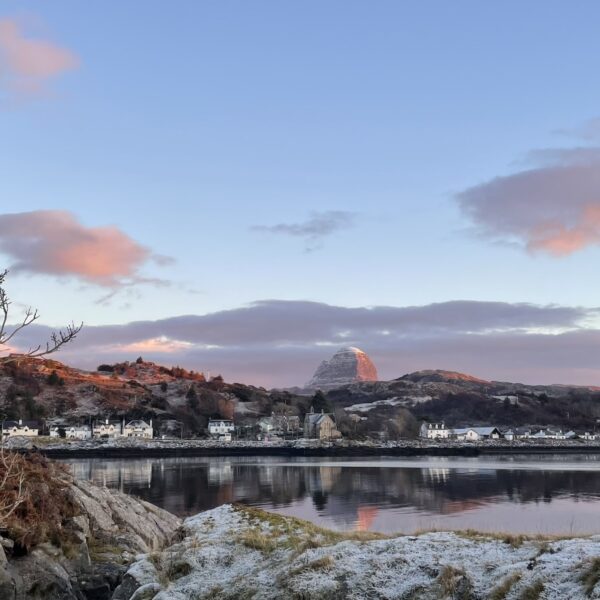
(320, 426)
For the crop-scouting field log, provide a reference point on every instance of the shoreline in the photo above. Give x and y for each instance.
(295, 449)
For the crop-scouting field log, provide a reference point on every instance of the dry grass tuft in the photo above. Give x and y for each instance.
(271, 531)
(591, 576)
(501, 591)
(454, 583)
(533, 591)
(320, 564)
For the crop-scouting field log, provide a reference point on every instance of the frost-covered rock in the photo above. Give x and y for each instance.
(346, 366)
(234, 552)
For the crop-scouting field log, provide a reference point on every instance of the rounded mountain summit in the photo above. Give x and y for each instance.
(346, 366)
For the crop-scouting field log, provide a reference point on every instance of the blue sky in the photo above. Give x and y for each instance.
(189, 126)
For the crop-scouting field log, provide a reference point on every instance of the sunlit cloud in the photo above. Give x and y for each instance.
(54, 242)
(160, 344)
(551, 206)
(27, 64)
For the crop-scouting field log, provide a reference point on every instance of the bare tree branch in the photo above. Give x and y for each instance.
(57, 339)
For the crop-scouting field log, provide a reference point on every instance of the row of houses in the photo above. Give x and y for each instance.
(137, 428)
(320, 426)
(433, 431)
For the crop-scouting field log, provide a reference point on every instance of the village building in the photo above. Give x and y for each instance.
(475, 434)
(432, 431)
(73, 432)
(266, 425)
(278, 424)
(138, 429)
(320, 426)
(221, 429)
(107, 429)
(20, 427)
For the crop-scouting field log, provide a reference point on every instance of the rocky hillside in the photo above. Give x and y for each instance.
(177, 399)
(172, 397)
(458, 399)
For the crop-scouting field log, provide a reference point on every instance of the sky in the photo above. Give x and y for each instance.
(243, 188)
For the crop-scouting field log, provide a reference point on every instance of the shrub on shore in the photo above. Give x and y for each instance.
(35, 499)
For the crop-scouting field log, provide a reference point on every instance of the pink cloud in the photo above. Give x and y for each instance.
(25, 63)
(553, 207)
(54, 242)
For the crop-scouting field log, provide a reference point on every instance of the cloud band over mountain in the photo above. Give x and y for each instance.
(280, 343)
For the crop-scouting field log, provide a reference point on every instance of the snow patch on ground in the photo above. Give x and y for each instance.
(407, 400)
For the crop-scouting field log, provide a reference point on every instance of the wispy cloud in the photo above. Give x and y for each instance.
(551, 205)
(315, 229)
(28, 64)
(54, 242)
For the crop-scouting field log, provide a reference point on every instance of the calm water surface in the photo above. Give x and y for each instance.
(529, 494)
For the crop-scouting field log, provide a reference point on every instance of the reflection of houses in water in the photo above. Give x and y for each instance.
(116, 474)
(220, 472)
(436, 475)
(321, 479)
(347, 496)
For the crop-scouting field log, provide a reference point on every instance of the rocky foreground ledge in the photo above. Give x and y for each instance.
(117, 547)
(95, 548)
(233, 552)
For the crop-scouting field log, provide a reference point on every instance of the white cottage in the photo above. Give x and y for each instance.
(139, 429)
(432, 431)
(474, 434)
(107, 429)
(73, 432)
(20, 427)
(221, 428)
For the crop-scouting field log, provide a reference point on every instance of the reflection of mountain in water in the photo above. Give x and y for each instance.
(346, 494)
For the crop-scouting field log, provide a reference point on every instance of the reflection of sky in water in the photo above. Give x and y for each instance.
(534, 494)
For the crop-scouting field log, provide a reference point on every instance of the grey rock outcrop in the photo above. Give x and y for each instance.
(346, 366)
(99, 544)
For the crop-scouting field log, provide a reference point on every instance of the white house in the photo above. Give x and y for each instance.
(266, 424)
(73, 432)
(139, 429)
(549, 434)
(20, 427)
(221, 428)
(473, 434)
(432, 431)
(111, 429)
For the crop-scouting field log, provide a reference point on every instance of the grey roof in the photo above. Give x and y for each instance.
(316, 418)
(30, 424)
(137, 423)
(477, 430)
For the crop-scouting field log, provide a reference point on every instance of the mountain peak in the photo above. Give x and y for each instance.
(348, 365)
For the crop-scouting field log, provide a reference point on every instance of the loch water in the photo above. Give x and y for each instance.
(534, 494)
